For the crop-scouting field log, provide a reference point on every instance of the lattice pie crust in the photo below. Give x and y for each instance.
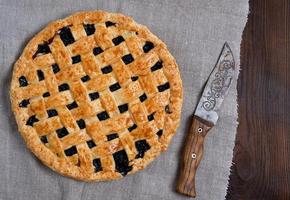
(96, 96)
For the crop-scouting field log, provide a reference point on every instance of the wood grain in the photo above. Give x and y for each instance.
(192, 155)
(261, 167)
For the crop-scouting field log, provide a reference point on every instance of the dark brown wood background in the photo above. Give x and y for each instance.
(261, 168)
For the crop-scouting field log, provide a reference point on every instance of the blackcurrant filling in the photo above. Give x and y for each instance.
(103, 116)
(118, 40)
(62, 132)
(90, 29)
(162, 88)
(127, 59)
(114, 87)
(156, 66)
(66, 36)
(122, 162)
(148, 46)
(123, 108)
(142, 146)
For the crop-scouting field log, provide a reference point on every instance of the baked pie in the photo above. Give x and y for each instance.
(96, 96)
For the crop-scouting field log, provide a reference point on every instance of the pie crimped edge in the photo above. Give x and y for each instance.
(31, 137)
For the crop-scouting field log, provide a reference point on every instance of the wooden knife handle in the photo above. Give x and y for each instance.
(192, 155)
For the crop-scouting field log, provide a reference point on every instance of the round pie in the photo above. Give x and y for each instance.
(96, 96)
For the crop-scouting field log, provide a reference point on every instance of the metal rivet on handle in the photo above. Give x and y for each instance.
(193, 156)
(199, 130)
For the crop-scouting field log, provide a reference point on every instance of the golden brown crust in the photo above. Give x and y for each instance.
(71, 152)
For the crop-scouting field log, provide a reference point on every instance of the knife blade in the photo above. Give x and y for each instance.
(205, 117)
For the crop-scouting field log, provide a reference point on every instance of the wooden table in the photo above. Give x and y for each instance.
(262, 151)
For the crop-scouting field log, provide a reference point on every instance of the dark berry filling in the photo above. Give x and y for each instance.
(142, 146)
(31, 120)
(148, 46)
(72, 105)
(112, 136)
(114, 87)
(52, 113)
(66, 36)
(143, 97)
(90, 29)
(107, 69)
(24, 103)
(76, 59)
(97, 164)
(156, 66)
(109, 23)
(63, 87)
(118, 40)
(97, 50)
(81, 123)
(130, 129)
(71, 151)
(122, 162)
(162, 88)
(23, 81)
(94, 95)
(62, 132)
(127, 58)
(85, 78)
(91, 144)
(43, 139)
(103, 116)
(123, 108)
(40, 75)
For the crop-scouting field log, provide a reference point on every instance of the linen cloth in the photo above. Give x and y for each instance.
(194, 32)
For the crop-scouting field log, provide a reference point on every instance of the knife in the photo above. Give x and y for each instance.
(204, 118)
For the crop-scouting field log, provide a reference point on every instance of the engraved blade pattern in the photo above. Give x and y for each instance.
(217, 86)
